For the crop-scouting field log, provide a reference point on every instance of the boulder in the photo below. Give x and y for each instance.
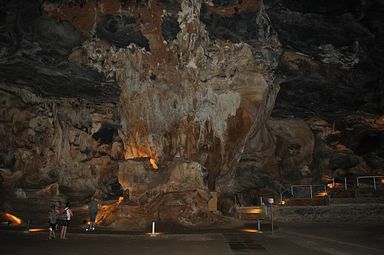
(48, 191)
(374, 161)
(344, 161)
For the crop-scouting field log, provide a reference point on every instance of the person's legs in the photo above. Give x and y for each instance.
(63, 232)
(66, 228)
(92, 221)
(54, 231)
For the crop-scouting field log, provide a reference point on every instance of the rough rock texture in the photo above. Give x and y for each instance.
(151, 104)
(201, 103)
(54, 142)
(333, 57)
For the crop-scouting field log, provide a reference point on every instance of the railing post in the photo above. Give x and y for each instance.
(271, 205)
(310, 187)
(345, 183)
(374, 182)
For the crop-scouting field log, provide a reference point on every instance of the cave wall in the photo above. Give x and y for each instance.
(138, 100)
(161, 101)
(330, 75)
(197, 100)
(69, 143)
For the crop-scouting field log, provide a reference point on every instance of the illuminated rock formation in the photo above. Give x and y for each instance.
(149, 105)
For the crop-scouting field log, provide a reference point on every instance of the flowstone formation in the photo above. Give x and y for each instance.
(188, 98)
(150, 105)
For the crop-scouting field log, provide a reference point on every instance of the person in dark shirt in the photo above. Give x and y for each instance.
(93, 208)
(52, 217)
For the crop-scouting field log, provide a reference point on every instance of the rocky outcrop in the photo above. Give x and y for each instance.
(150, 105)
(188, 99)
(332, 58)
(201, 105)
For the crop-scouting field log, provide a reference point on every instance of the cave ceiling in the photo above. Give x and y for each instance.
(332, 59)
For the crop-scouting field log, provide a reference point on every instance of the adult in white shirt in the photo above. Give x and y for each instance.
(67, 214)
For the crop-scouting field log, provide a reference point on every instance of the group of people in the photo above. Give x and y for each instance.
(59, 217)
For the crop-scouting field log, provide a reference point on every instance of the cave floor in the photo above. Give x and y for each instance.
(288, 238)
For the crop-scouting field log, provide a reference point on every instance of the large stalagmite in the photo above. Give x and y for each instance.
(198, 107)
(187, 103)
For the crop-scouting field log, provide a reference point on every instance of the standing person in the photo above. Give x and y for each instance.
(67, 214)
(93, 208)
(52, 217)
(58, 215)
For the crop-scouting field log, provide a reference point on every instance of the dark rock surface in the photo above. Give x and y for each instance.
(331, 63)
(34, 56)
(240, 27)
(171, 5)
(119, 31)
(343, 161)
(170, 28)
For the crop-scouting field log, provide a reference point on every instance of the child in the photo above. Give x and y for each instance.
(52, 222)
(58, 215)
(67, 214)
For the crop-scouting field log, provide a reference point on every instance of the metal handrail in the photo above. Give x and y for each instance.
(310, 188)
(345, 182)
(290, 189)
(369, 177)
(284, 191)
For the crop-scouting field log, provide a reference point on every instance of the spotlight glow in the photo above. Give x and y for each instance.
(153, 234)
(12, 218)
(36, 229)
(249, 230)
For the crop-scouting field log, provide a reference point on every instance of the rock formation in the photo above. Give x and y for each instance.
(159, 102)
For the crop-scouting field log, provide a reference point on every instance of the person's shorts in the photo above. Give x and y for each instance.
(92, 216)
(65, 223)
(52, 225)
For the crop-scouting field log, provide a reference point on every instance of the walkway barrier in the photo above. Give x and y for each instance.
(308, 191)
(377, 182)
(303, 192)
(342, 181)
(285, 194)
(252, 213)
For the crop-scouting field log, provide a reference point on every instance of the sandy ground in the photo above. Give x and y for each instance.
(308, 239)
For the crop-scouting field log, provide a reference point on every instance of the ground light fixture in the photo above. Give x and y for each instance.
(153, 233)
